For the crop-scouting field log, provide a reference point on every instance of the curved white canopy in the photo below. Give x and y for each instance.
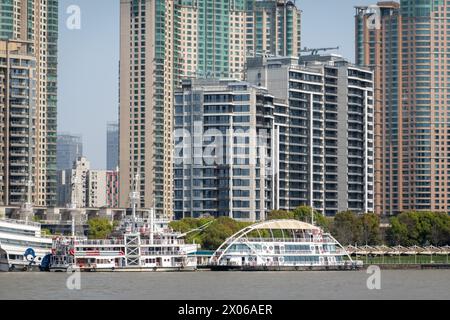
(285, 225)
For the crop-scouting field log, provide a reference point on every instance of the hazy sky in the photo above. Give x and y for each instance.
(89, 57)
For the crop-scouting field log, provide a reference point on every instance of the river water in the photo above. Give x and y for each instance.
(401, 284)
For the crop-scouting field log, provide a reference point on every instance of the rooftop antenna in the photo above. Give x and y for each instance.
(315, 51)
(134, 198)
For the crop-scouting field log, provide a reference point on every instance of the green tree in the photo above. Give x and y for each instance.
(280, 215)
(371, 233)
(419, 228)
(303, 213)
(99, 228)
(221, 229)
(46, 232)
(347, 228)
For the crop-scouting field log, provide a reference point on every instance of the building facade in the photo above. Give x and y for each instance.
(273, 28)
(96, 189)
(324, 134)
(223, 150)
(72, 184)
(17, 121)
(69, 148)
(36, 23)
(112, 189)
(406, 46)
(112, 146)
(163, 42)
(86, 188)
(145, 116)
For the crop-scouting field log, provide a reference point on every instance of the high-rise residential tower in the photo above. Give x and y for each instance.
(17, 121)
(69, 148)
(301, 134)
(223, 154)
(273, 27)
(212, 37)
(145, 120)
(324, 134)
(112, 146)
(36, 22)
(406, 44)
(163, 42)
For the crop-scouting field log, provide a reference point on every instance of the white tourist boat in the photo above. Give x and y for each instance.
(22, 247)
(142, 250)
(281, 245)
(142, 245)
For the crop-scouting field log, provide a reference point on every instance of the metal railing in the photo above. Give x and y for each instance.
(307, 240)
(21, 222)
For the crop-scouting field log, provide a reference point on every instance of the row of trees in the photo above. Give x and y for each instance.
(214, 235)
(419, 228)
(347, 227)
(406, 229)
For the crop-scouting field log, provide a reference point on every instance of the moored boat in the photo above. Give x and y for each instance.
(282, 245)
(22, 246)
(141, 244)
(160, 250)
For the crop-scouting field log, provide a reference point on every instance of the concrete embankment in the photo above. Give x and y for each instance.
(410, 266)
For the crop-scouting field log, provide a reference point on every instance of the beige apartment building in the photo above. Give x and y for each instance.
(35, 23)
(407, 46)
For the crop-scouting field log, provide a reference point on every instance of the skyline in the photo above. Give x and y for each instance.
(89, 62)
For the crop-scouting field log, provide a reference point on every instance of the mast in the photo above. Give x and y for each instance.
(134, 198)
(27, 208)
(73, 226)
(152, 224)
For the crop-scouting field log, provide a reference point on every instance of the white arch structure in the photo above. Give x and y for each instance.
(270, 225)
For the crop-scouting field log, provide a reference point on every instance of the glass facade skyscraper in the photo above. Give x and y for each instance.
(112, 146)
(69, 149)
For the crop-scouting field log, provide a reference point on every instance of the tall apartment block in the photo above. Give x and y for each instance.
(273, 28)
(145, 124)
(211, 40)
(324, 134)
(112, 146)
(36, 23)
(69, 148)
(301, 133)
(223, 150)
(406, 45)
(17, 121)
(163, 42)
(215, 36)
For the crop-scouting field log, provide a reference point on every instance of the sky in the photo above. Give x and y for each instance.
(89, 61)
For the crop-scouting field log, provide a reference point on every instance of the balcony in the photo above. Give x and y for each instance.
(19, 133)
